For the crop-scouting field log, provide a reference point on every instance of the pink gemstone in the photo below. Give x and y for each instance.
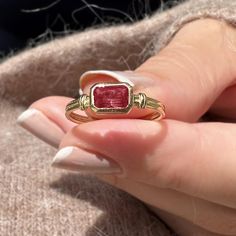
(116, 96)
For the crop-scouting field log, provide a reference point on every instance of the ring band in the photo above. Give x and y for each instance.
(113, 98)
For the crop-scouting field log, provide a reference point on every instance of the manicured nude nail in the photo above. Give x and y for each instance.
(129, 77)
(39, 125)
(77, 159)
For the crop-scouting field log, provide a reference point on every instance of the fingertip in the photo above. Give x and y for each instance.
(39, 125)
(54, 108)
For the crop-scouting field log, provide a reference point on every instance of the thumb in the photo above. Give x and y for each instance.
(187, 76)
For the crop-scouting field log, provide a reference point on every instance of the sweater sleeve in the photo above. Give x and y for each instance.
(192, 10)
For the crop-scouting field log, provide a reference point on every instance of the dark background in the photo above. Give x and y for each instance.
(26, 22)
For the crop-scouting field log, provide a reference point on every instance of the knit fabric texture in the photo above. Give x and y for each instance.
(39, 200)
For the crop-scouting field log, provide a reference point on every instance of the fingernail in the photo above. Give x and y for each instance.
(39, 125)
(77, 159)
(129, 77)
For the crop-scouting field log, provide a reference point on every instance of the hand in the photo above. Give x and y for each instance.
(182, 168)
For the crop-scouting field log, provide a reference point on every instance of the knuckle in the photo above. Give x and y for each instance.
(229, 38)
(169, 175)
(200, 32)
(178, 167)
(229, 48)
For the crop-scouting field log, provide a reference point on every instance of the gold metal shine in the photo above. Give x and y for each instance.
(139, 100)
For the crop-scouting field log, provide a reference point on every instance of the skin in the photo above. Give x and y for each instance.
(182, 168)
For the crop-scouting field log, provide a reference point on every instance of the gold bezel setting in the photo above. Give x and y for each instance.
(139, 100)
(111, 110)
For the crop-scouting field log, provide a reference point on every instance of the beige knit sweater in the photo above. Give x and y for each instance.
(38, 200)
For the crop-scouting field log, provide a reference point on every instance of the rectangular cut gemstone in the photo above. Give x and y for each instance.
(111, 96)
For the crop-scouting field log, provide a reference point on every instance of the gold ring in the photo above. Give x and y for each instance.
(113, 98)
